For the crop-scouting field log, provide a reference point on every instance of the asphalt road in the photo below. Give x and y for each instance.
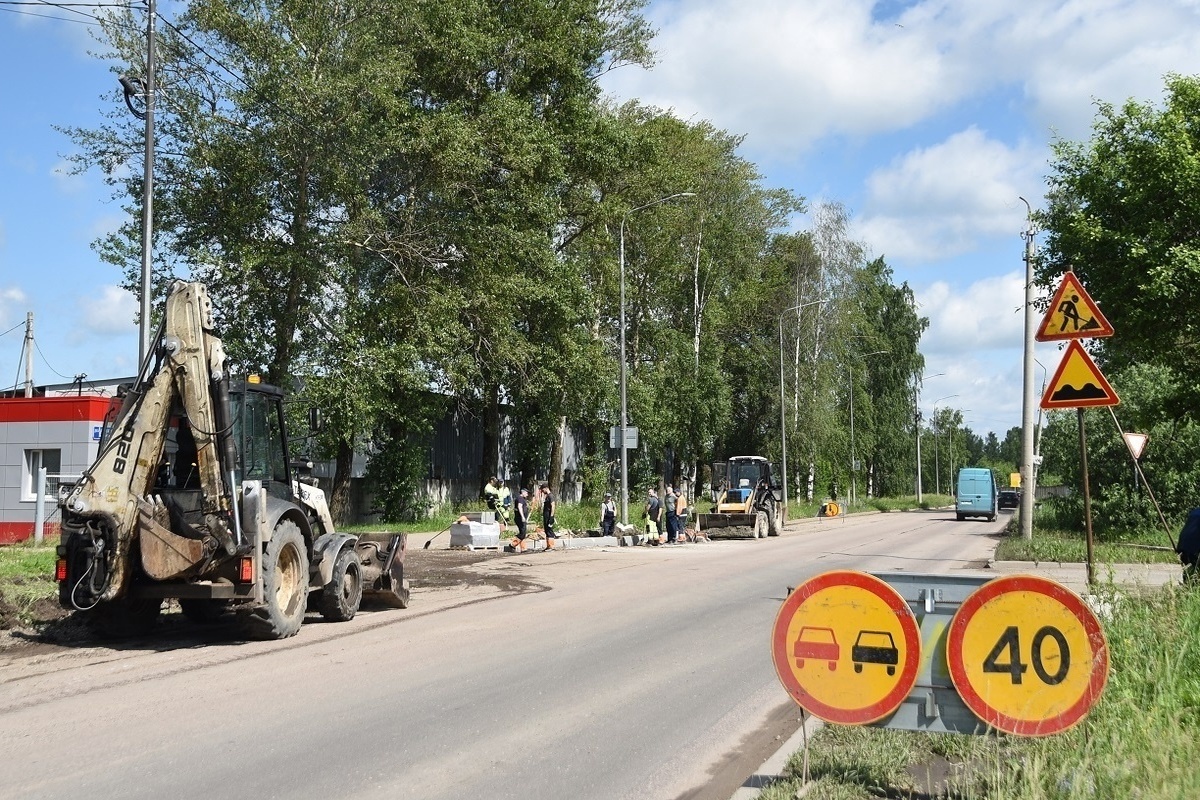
(592, 673)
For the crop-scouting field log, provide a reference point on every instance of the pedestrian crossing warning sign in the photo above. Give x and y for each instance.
(1078, 383)
(1072, 314)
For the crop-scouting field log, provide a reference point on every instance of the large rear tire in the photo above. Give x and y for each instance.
(342, 596)
(285, 586)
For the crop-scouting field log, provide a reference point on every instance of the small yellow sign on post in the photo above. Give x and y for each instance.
(1014, 480)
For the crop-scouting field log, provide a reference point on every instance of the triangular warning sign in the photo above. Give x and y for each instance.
(1078, 383)
(1073, 314)
(1136, 442)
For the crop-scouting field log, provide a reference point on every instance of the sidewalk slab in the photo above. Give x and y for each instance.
(1073, 575)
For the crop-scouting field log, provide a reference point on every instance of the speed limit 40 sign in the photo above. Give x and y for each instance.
(1027, 655)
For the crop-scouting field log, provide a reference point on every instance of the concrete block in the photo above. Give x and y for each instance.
(475, 535)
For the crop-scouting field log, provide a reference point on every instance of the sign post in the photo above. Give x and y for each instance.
(1077, 383)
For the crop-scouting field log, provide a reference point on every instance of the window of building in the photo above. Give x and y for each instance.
(35, 460)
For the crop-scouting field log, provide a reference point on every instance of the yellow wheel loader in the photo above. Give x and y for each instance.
(747, 500)
(194, 496)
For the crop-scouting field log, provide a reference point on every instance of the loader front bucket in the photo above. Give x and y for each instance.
(383, 570)
(718, 525)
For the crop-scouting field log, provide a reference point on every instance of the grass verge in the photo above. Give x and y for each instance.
(1057, 545)
(26, 579)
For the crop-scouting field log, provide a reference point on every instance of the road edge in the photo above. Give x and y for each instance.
(772, 769)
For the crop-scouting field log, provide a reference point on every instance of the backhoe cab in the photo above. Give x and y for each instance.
(747, 499)
(193, 497)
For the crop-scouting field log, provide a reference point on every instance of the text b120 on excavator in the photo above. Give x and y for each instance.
(193, 497)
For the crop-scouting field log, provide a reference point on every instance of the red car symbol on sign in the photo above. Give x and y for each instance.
(819, 644)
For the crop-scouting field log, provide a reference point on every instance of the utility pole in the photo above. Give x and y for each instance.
(135, 87)
(1028, 487)
(147, 188)
(29, 354)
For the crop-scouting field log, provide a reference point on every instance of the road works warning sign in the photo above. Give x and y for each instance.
(847, 647)
(1073, 314)
(1027, 655)
(1078, 383)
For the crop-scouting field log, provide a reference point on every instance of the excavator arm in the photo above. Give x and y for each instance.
(110, 507)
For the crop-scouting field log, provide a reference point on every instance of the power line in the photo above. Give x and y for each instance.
(38, 347)
(90, 21)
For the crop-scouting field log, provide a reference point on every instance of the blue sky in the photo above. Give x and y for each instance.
(927, 120)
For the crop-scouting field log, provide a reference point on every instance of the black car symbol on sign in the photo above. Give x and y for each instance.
(875, 647)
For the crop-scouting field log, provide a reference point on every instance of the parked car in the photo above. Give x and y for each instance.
(1009, 498)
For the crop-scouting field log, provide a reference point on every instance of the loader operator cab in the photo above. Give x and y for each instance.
(741, 476)
(256, 411)
(256, 420)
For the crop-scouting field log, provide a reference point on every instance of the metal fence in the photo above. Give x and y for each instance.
(49, 486)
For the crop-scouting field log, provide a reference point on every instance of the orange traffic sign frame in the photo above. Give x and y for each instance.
(1078, 383)
(846, 647)
(1027, 655)
(1073, 314)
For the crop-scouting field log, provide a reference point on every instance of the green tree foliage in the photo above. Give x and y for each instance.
(411, 209)
(1123, 210)
(1120, 502)
(886, 324)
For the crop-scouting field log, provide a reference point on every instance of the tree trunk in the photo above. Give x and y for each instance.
(556, 459)
(339, 495)
(490, 462)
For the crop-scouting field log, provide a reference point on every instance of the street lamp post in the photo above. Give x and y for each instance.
(917, 425)
(624, 404)
(853, 458)
(782, 403)
(950, 477)
(937, 472)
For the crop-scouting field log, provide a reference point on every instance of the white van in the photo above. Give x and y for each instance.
(976, 494)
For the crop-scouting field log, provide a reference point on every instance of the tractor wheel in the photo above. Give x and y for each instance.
(285, 586)
(341, 596)
(124, 618)
(774, 525)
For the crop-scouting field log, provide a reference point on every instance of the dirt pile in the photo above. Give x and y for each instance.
(9, 618)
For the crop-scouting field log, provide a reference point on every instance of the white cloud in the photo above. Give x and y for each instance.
(985, 315)
(788, 73)
(111, 312)
(69, 182)
(12, 303)
(939, 201)
(975, 347)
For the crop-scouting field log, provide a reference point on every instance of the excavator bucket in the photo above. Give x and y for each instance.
(383, 570)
